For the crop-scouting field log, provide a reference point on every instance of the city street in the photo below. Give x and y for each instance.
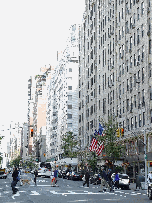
(67, 191)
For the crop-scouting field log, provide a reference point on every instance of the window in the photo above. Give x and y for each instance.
(69, 97)
(69, 87)
(150, 93)
(138, 36)
(142, 75)
(132, 123)
(142, 8)
(135, 103)
(70, 69)
(142, 30)
(143, 118)
(69, 116)
(150, 46)
(104, 106)
(139, 120)
(135, 121)
(138, 13)
(69, 125)
(69, 106)
(127, 104)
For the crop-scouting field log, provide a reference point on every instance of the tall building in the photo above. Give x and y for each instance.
(115, 71)
(63, 96)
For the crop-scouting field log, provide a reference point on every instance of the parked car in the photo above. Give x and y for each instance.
(124, 181)
(76, 176)
(95, 179)
(69, 175)
(3, 173)
(64, 174)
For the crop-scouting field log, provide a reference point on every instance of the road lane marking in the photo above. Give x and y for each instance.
(34, 193)
(79, 193)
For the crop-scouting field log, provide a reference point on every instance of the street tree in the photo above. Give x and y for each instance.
(113, 149)
(69, 145)
(15, 162)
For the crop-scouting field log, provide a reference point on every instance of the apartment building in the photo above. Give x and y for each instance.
(115, 71)
(37, 99)
(63, 96)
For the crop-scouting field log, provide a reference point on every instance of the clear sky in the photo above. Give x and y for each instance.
(31, 33)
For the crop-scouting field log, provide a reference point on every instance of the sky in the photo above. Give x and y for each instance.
(31, 33)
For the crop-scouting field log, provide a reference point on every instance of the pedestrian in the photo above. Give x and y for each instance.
(35, 175)
(87, 176)
(55, 175)
(109, 174)
(104, 181)
(14, 182)
(116, 180)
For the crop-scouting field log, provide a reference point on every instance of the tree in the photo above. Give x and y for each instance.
(15, 162)
(93, 161)
(69, 143)
(113, 149)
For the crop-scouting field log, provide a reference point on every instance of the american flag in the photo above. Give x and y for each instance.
(93, 145)
(96, 145)
(100, 147)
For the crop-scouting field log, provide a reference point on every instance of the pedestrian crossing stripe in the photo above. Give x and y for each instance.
(77, 193)
(34, 193)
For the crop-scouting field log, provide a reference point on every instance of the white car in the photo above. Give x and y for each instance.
(44, 172)
(124, 181)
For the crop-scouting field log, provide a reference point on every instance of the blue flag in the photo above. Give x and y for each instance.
(100, 129)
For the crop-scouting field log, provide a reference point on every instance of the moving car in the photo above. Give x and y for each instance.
(44, 172)
(3, 173)
(124, 181)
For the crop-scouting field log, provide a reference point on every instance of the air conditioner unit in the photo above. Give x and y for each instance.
(138, 63)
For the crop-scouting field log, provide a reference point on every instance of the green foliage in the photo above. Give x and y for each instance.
(15, 162)
(29, 164)
(112, 148)
(93, 161)
(69, 144)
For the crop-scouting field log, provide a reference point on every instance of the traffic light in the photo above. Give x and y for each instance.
(44, 154)
(31, 132)
(118, 132)
(122, 132)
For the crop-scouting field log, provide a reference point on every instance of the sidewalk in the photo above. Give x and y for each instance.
(132, 186)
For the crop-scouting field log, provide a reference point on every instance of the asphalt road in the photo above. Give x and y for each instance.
(67, 191)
